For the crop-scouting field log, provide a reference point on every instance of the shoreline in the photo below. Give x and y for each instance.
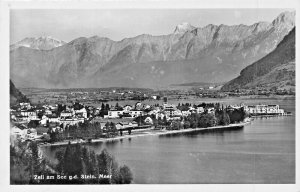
(147, 132)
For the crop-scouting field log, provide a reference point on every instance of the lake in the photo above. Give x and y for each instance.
(261, 152)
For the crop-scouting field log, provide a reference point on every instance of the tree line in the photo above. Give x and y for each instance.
(85, 162)
(221, 117)
(73, 162)
(86, 130)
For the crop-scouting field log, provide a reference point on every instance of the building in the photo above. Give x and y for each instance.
(25, 105)
(171, 110)
(23, 134)
(48, 112)
(264, 109)
(66, 113)
(53, 118)
(81, 112)
(71, 121)
(44, 120)
(186, 113)
(138, 105)
(127, 108)
(148, 120)
(114, 114)
(211, 110)
(123, 125)
(17, 133)
(136, 113)
(200, 110)
(159, 115)
(154, 97)
(28, 115)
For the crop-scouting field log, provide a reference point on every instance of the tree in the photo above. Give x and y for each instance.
(59, 156)
(125, 175)
(225, 120)
(25, 161)
(186, 125)
(60, 108)
(175, 125)
(165, 120)
(237, 115)
(207, 120)
(155, 122)
(77, 159)
(107, 165)
(34, 160)
(222, 117)
(77, 106)
(107, 125)
(68, 167)
(104, 165)
(113, 129)
(33, 124)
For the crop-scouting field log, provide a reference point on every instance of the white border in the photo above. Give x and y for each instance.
(122, 4)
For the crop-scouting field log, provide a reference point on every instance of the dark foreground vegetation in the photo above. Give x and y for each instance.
(76, 165)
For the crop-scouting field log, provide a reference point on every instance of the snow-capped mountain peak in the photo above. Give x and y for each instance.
(183, 27)
(40, 43)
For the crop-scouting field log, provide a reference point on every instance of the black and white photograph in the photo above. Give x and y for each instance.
(152, 95)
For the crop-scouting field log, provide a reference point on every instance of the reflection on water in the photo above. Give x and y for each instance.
(262, 152)
(201, 133)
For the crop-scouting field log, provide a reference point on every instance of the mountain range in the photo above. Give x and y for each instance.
(277, 69)
(213, 53)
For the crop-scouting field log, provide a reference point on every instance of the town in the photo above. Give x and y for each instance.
(90, 96)
(75, 121)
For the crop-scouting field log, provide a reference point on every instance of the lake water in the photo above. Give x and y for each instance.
(261, 152)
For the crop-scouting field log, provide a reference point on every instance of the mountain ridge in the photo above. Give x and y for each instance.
(271, 70)
(16, 96)
(39, 43)
(214, 52)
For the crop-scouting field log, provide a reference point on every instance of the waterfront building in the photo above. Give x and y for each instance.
(124, 124)
(264, 109)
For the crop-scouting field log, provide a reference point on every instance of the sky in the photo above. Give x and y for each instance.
(118, 24)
